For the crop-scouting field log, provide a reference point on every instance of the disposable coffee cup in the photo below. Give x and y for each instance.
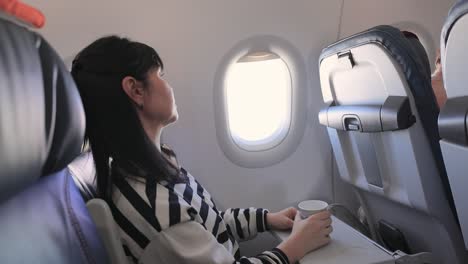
(311, 207)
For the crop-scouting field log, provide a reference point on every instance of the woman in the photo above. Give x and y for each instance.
(164, 214)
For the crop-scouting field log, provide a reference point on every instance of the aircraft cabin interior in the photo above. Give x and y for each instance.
(267, 131)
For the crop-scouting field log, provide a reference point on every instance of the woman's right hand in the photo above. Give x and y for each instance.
(307, 235)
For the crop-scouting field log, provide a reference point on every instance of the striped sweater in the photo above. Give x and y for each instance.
(179, 223)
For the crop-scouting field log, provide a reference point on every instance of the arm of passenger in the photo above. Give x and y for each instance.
(245, 223)
(190, 243)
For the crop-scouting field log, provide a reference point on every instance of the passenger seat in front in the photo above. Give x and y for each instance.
(453, 118)
(43, 218)
(382, 124)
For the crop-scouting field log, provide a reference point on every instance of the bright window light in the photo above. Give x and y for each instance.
(258, 90)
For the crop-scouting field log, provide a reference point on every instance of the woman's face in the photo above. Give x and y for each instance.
(158, 99)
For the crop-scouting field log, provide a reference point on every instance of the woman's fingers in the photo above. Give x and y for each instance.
(327, 222)
(327, 231)
(291, 212)
(322, 215)
(297, 218)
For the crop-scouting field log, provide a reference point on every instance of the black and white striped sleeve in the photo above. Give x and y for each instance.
(245, 223)
(189, 242)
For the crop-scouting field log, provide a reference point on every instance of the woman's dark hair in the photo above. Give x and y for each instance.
(113, 129)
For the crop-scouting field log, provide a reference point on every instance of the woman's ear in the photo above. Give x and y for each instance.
(133, 90)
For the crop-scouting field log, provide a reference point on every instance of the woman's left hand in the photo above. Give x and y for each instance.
(281, 220)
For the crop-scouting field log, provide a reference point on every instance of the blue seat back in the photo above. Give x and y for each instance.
(43, 218)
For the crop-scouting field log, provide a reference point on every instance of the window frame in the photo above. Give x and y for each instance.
(299, 98)
(278, 135)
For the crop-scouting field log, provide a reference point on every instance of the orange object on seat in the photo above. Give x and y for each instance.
(24, 12)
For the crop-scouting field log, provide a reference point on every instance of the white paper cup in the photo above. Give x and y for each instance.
(310, 207)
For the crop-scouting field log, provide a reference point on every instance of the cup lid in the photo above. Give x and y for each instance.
(312, 205)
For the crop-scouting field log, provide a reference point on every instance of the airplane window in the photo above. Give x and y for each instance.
(258, 97)
(260, 101)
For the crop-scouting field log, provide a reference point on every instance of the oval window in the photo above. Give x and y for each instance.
(258, 97)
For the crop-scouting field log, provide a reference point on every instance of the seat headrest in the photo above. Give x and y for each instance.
(455, 13)
(408, 52)
(41, 116)
(65, 119)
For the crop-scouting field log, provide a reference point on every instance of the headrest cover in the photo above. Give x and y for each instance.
(455, 13)
(65, 119)
(407, 51)
(24, 12)
(22, 112)
(41, 116)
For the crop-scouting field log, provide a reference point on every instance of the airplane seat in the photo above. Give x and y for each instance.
(43, 218)
(453, 115)
(382, 124)
(83, 171)
(455, 18)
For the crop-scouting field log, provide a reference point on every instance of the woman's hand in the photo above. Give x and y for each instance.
(307, 235)
(281, 220)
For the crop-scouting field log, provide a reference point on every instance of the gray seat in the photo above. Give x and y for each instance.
(452, 118)
(382, 124)
(43, 218)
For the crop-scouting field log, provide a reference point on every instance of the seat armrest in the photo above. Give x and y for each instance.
(108, 231)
